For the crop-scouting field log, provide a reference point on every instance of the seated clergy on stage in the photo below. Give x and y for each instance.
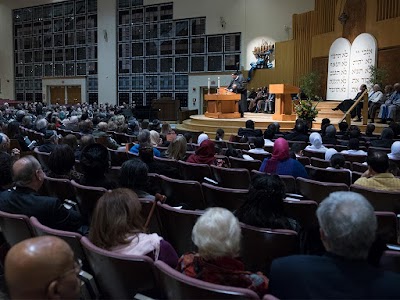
(346, 104)
(374, 101)
(347, 228)
(391, 106)
(238, 86)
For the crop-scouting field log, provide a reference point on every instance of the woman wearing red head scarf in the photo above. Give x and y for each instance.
(204, 154)
(281, 164)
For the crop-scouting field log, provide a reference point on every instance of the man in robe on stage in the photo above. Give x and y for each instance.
(238, 86)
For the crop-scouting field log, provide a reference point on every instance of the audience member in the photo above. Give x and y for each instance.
(50, 141)
(395, 151)
(95, 163)
(134, 176)
(220, 134)
(377, 175)
(204, 154)
(268, 136)
(165, 128)
(280, 163)
(347, 227)
(249, 131)
(155, 139)
(5, 171)
(258, 146)
(61, 164)
(264, 206)
(28, 178)
(101, 132)
(389, 109)
(189, 142)
(202, 137)
(14, 132)
(146, 154)
(144, 137)
(329, 153)
(42, 268)
(297, 150)
(70, 140)
(177, 148)
(369, 130)
(343, 126)
(316, 143)
(330, 135)
(217, 235)
(354, 148)
(118, 226)
(386, 139)
(85, 140)
(299, 134)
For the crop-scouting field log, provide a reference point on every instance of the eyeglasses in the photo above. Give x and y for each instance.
(77, 269)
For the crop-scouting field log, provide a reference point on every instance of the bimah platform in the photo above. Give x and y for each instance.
(223, 105)
(283, 101)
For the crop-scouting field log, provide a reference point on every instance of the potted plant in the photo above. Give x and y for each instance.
(305, 108)
(377, 75)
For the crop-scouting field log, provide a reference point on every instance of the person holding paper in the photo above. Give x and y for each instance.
(238, 86)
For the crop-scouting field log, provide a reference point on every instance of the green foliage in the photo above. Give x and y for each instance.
(310, 84)
(306, 110)
(377, 75)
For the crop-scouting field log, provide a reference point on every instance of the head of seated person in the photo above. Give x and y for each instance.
(337, 161)
(61, 161)
(177, 148)
(42, 268)
(330, 131)
(387, 134)
(264, 206)
(259, 143)
(95, 163)
(300, 126)
(118, 226)
(369, 131)
(347, 225)
(343, 126)
(70, 140)
(146, 152)
(250, 124)
(134, 176)
(269, 134)
(354, 144)
(217, 235)
(4, 142)
(27, 173)
(378, 162)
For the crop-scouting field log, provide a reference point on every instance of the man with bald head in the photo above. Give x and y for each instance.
(42, 268)
(24, 199)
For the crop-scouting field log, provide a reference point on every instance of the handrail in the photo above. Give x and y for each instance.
(347, 114)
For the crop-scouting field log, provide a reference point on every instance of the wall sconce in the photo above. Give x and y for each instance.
(343, 18)
(194, 89)
(222, 22)
(105, 34)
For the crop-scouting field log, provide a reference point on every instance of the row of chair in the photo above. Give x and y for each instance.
(122, 276)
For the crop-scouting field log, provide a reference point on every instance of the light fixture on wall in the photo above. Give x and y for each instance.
(222, 22)
(105, 34)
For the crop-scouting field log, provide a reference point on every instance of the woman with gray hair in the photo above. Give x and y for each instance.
(217, 235)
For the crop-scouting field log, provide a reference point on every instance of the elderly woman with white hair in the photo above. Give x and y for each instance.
(217, 235)
(316, 143)
(395, 151)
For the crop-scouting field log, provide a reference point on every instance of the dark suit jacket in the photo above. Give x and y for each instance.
(298, 137)
(249, 132)
(329, 276)
(48, 210)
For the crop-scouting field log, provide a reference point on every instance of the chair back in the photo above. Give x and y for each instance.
(228, 198)
(154, 184)
(316, 154)
(120, 276)
(387, 227)
(304, 160)
(102, 140)
(117, 157)
(288, 180)
(257, 156)
(177, 225)
(42, 157)
(359, 167)
(113, 173)
(183, 192)
(15, 228)
(355, 158)
(317, 190)
(59, 188)
(231, 178)
(193, 171)
(176, 285)
(386, 150)
(168, 161)
(260, 246)
(155, 223)
(324, 175)
(73, 239)
(241, 146)
(380, 200)
(241, 163)
(390, 261)
(303, 211)
(320, 163)
(87, 197)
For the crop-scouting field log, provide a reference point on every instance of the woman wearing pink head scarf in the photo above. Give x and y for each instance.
(281, 164)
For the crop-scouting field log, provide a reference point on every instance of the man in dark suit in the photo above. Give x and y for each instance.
(28, 177)
(347, 228)
(238, 86)
(249, 131)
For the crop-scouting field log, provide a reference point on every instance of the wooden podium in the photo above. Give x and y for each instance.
(223, 105)
(283, 101)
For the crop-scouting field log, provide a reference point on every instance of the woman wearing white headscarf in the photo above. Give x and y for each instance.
(395, 151)
(329, 153)
(202, 137)
(316, 143)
